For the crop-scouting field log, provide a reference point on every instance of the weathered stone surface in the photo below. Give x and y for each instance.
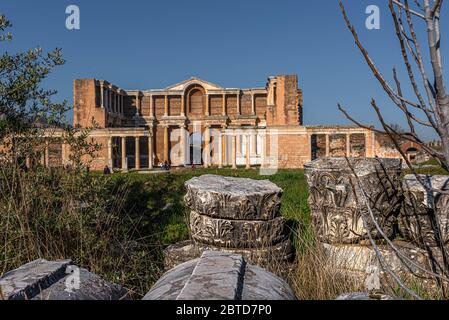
(364, 296)
(264, 256)
(91, 287)
(236, 233)
(27, 281)
(424, 217)
(57, 280)
(357, 260)
(335, 197)
(219, 276)
(233, 198)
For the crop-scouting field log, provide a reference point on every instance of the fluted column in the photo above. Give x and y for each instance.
(124, 162)
(224, 105)
(348, 145)
(110, 160)
(239, 111)
(137, 156)
(102, 94)
(166, 142)
(150, 150)
(253, 103)
(151, 106)
(253, 143)
(207, 147)
(220, 150)
(166, 106)
(248, 155)
(207, 111)
(183, 145)
(234, 151)
(264, 150)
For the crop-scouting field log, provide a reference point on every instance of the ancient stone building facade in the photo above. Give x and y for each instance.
(201, 123)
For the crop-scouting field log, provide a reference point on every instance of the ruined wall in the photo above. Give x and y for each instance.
(86, 104)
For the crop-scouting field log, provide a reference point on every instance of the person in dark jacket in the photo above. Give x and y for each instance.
(106, 170)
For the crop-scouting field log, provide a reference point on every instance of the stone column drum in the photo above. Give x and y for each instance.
(424, 218)
(339, 214)
(235, 215)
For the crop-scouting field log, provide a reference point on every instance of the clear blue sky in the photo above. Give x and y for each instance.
(234, 43)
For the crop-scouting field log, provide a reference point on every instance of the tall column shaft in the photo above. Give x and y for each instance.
(102, 95)
(264, 150)
(137, 157)
(253, 143)
(220, 150)
(110, 160)
(239, 111)
(224, 104)
(166, 142)
(248, 155)
(253, 104)
(207, 111)
(124, 162)
(150, 150)
(151, 106)
(206, 146)
(348, 145)
(234, 152)
(183, 145)
(110, 100)
(166, 106)
(327, 146)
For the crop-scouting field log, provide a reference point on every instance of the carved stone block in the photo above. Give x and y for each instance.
(424, 217)
(337, 202)
(264, 256)
(236, 233)
(219, 276)
(233, 198)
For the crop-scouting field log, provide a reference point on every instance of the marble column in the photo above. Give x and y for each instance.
(224, 104)
(220, 150)
(137, 156)
(327, 146)
(110, 159)
(207, 111)
(248, 154)
(182, 128)
(264, 150)
(239, 111)
(151, 106)
(207, 147)
(166, 142)
(166, 106)
(102, 95)
(234, 151)
(348, 145)
(150, 150)
(124, 162)
(253, 143)
(253, 104)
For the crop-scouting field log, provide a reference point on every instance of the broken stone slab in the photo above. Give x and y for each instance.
(236, 233)
(364, 296)
(424, 217)
(28, 280)
(219, 276)
(233, 198)
(263, 256)
(56, 280)
(361, 261)
(336, 199)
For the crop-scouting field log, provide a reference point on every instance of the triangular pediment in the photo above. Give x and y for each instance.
(186, 83)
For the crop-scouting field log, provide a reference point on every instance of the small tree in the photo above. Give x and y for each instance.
(429, 107)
